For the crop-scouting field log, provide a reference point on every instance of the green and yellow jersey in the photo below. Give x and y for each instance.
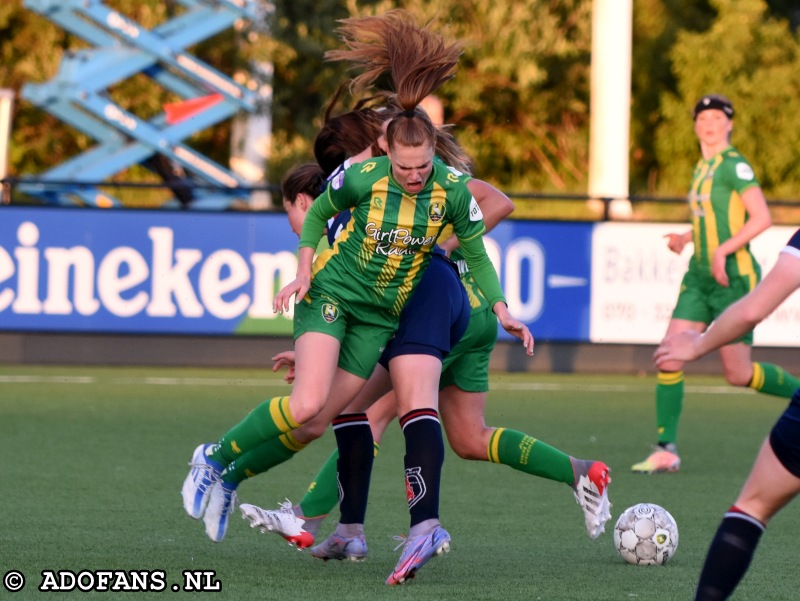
(718, 212)
(382, 253)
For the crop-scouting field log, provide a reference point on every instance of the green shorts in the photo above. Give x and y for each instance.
(702, 299)
(363, 331)
(467, 365)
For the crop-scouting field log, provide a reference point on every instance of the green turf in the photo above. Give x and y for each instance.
(92, 462)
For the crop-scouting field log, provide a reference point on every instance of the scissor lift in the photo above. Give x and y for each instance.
(121, 49)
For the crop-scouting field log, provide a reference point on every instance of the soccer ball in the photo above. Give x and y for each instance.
(646, 534)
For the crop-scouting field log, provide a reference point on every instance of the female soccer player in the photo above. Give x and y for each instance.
(346, 315)
(426, 536)
(462, 399)
(728, 211)
(775, 477)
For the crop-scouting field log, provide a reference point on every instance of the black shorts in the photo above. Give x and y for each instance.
(785, 436)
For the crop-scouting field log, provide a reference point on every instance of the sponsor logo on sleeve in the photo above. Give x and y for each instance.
(474, 211)
(744, 171)
(338, 180)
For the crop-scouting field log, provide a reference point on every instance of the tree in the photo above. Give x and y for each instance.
(520, 99)
(754, 59)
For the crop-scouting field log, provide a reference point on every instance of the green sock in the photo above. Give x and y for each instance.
(267, 421)
(529, 455)
(669, 403)
(263, 458)
(323, 493)
(771, 379)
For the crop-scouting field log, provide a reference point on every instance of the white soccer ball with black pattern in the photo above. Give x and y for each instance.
(646, 534)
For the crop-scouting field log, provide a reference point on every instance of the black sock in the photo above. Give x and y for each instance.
(423, 461)
(729, 555)
(356, 452)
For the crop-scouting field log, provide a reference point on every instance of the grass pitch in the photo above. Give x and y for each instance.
(93, 460)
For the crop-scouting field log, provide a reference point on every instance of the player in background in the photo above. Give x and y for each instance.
(728, 210)
(775, 477)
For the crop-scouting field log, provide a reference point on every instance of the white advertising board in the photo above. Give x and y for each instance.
(635, 282)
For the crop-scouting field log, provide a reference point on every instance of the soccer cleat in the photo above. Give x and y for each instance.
(221, 502)
(591, 493)
(417, 552)
(282, 521)
(353, 548)
(197, 486)
(661, 460)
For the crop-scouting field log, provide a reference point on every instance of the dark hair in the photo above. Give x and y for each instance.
(417, 59)
(307, 178)
(349, 133)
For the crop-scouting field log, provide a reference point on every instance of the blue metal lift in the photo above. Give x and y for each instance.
(121, 48)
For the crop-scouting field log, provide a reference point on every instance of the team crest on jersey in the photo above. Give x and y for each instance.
(377, 202)
(436, 212)
(415, 486)
(337, 180)
(330, 312)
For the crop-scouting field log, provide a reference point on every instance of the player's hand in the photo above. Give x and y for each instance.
(284, 359)
(675, 242)
(678, 347)
(299, 286)
(514, 327)
(718, 269)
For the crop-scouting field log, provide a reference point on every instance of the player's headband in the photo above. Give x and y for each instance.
(713, 102)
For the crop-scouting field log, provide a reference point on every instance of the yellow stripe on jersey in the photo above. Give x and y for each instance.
(668, 378)
(405, 218)
(328, 253)
(696, 207)
(493, 452)
(377, 211)
(712, 233)
(744, 259)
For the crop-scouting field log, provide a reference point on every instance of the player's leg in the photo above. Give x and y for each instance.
(773, 482)
(768, 378)
(470, 438)
(366, 337)
(438, 318)
(737, 364)
(268, 454)
(669, 405)
(323, 493)
(769, 487)
(316, 356)
(416, 384)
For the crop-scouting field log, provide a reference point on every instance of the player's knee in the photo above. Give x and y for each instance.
(303, 409)
(738, 377)
(312, 430)
(468, 448)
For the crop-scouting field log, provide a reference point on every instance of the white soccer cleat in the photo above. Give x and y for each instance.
(591, 493)
(221, 502)
(203, 474)
(281, 521)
